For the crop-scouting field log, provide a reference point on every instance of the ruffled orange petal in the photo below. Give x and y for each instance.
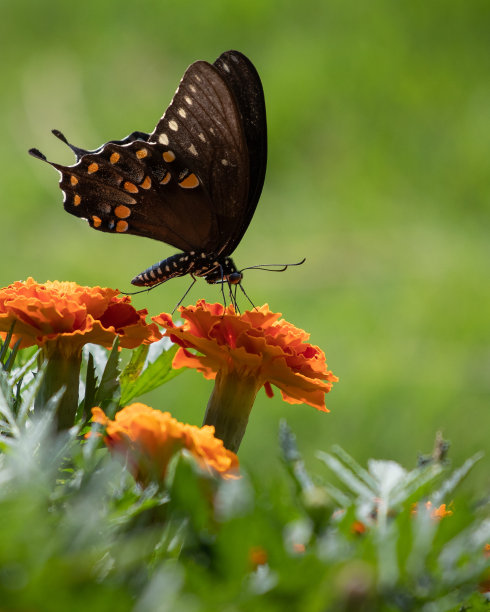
(149, 438)
(257, 343)
(71, 316)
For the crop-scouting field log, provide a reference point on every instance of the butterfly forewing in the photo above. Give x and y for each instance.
(203, 127)
(242, 78)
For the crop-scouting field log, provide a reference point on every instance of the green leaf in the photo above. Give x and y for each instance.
(358, 470)
(30, 392)
(10, 361)
(455, 479)
(292, 457)
(100, 356)
(136, 364)
(190, 491)
(7, 417)
(5, 344)
(17, 374)
(108, 391)
(90, 389)
(346, 475)
(142, 375)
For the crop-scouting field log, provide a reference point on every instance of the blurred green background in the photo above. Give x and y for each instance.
(379, 132)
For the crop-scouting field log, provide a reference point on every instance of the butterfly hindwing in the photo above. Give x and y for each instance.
(133, 189)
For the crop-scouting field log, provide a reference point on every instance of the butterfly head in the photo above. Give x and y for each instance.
(224, 272)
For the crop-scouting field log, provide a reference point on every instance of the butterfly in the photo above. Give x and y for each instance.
(193, 183)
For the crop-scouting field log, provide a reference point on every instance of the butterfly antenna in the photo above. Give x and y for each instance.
(183, 297)
(274, 267)
(78, 152)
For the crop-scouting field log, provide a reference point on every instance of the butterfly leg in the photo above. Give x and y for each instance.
(194, 279)
(233, 296)
(221, 283)
(246, 295)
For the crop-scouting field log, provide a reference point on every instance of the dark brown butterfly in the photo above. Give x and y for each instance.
(194, 182)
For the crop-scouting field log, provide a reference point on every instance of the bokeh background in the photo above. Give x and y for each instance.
(379, 132)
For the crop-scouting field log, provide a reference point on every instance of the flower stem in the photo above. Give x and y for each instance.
(62, 371)
(229, 406)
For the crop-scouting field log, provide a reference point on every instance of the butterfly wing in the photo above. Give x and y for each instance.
(203, 127)
(195, 181)
(133, 189)
(242, 78)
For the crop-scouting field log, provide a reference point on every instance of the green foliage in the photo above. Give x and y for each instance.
(77, 531)
(150, 366)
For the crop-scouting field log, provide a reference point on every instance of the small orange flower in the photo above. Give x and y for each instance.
(299, 548)
(149, 438)
(440, 512)
(358, 528)
(484, 585)
(68, 315)
(255, 344)
(435, 513)
(257, 556)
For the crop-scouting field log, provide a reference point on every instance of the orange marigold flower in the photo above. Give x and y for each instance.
(68, 315)
(255, 344)
(149, 438)
(257, 556)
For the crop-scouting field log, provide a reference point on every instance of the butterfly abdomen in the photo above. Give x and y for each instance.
(214, 269)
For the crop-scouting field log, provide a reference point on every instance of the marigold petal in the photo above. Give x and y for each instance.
(98, 416)
(71, 316)
(184, 359)
(149, 438)
(256, 343)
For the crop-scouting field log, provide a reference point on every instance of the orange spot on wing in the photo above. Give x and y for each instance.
(77, 199)
(93, 168)
(166, 179)
(190, 182)
(73, 180)
(169, 156)
(130, 187)
(114, 158)
(146, 184)
(122, 211)
(121, 226)
(96, 221)
(141, 153)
